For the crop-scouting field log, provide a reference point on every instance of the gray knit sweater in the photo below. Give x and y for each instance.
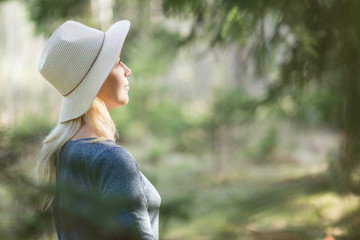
(101, 194)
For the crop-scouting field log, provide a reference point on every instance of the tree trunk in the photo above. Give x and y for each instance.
(349, 164)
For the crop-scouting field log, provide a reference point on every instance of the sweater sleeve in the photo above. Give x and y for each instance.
(120, 188)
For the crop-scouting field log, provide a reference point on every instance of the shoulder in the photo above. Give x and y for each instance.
(83, 149)
(116, 156)
(112, 159)
(102, 154)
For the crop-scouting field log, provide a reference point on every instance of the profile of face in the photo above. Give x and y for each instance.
(114, 91)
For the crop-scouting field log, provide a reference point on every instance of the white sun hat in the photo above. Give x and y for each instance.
(77, 59)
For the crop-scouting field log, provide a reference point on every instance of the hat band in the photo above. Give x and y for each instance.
(92, 64)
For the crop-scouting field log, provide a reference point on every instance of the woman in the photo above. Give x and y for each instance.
(100, 192)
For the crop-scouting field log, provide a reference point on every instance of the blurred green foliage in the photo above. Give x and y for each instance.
(308, 54)
(295, 46)
(320, 106)
(261, 153)
(19, 218)
(301, 40)
(48, 13)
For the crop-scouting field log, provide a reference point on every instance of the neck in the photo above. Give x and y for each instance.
(86, 131)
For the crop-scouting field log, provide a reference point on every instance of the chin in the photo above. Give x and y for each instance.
(119, 103)
(123, 102)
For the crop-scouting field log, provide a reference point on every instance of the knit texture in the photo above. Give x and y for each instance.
(76, 45)
(102, 194)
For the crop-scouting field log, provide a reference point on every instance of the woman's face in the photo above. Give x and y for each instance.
(114, 91)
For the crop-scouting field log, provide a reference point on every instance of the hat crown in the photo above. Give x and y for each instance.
(69, 54)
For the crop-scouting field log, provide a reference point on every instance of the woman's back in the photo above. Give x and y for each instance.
(101, 194)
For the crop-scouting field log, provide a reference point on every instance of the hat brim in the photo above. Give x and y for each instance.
(79, 101)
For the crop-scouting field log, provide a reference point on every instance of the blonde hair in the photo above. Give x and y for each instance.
(97, 117)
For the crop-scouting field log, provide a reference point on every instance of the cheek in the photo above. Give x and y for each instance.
(107, 88)
(116, 87)
(113, 83)
(113, 89)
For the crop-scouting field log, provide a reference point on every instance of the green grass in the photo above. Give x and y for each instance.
(271, 198)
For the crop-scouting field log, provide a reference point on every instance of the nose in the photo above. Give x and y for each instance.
(127, 71)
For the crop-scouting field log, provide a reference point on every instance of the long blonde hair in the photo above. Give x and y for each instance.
(97, 117)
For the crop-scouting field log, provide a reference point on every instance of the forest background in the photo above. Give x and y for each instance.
(243, 113)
